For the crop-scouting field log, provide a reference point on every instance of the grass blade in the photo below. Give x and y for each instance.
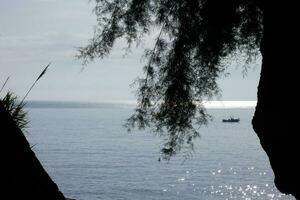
(40, 76)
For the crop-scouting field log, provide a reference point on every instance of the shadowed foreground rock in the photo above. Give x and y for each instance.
(276, 119)
(22, 175)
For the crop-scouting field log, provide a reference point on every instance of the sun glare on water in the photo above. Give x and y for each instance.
(229, 104)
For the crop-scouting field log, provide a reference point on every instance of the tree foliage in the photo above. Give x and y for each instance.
(194, 37)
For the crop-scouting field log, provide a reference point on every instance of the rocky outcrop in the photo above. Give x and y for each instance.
(274, 120)
(22, 175)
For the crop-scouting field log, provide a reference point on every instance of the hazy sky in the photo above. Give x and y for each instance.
(35, 32)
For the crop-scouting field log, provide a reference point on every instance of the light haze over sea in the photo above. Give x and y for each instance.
(90, 156)
(84, 146)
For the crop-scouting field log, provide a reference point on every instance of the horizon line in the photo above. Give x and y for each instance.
(206, 104)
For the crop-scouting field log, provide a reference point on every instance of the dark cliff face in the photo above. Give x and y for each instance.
(22, 175)
(275, 120)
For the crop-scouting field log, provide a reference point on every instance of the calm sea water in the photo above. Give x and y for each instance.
(90, 156)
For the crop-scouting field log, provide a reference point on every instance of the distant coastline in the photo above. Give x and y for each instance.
(74, 104)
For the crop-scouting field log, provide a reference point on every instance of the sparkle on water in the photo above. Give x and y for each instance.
(90, 156)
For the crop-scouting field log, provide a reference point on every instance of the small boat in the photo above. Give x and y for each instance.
(231, 119)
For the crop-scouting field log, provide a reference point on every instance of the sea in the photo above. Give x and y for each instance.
(91, 156)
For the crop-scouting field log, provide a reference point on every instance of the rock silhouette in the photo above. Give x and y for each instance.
(22, 175)
(274, 122)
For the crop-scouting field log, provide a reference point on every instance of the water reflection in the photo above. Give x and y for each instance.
(260, 191)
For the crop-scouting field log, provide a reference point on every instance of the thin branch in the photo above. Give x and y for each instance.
(153, 52)
(151, 58)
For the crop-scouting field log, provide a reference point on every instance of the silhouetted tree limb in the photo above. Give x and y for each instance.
(185, 62)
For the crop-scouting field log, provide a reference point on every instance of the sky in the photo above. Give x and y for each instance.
(36, 32)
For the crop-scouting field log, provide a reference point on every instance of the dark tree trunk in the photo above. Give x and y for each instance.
(277, 92)
(22, 175)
